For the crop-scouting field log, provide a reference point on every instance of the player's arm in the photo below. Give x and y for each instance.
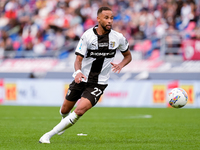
(127, 59)
(78, 75)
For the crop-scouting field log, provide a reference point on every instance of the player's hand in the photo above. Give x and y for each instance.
(78, 78)
(116, 67)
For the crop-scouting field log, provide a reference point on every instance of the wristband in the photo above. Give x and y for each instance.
(76, 72)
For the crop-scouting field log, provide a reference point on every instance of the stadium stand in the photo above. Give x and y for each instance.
(41, 35)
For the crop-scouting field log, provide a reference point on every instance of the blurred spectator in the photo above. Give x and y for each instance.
(3, 20)
(185, 15)
(11, 9)
(160, 24)
(39, 47)
(28, 41)
(1, 49)
(172, 41)
(29, 29)
(59, 40)
(9, 44)
(88, 23)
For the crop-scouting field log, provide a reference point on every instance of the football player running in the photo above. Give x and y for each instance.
(93, 64)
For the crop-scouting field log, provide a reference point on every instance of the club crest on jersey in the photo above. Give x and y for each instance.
(112, 44)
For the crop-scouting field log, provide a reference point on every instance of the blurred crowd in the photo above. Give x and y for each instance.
(56, 25)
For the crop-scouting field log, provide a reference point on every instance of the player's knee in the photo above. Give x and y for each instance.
(64, 111)
(79, 112)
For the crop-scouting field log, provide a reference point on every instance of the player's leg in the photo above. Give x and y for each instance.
(66, 107)
(65, 110)
(68, 121)
(83, 106)
(89, 98)
(73, 94)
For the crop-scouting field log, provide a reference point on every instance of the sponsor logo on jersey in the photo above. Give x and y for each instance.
(96, 53)
(103, 44)
(100, 54)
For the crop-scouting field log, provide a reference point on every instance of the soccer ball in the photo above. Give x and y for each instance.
(177, 97)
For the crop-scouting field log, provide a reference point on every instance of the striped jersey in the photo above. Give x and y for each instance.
(98, 52)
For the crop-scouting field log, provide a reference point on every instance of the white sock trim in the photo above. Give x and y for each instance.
(63, 115)
(74, 117)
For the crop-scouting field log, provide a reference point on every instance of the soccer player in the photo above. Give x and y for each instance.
(94, 55)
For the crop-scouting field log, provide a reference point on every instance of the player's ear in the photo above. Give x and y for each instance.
(98, 18)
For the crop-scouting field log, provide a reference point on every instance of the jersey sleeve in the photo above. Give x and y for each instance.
(82, 46)
(123, 44)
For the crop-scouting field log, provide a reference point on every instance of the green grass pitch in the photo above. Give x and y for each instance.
(106, 129)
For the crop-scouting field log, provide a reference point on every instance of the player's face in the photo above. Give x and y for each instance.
(105, 19)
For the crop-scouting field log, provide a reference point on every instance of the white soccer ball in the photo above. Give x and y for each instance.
(177, 98)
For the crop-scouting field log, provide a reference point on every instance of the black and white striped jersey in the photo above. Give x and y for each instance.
(98, 52)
